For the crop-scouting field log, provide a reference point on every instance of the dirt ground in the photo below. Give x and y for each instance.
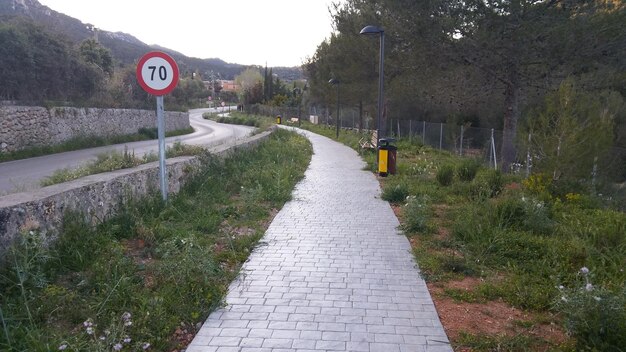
(492, 318)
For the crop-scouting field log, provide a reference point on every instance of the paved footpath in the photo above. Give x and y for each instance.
(332, 273)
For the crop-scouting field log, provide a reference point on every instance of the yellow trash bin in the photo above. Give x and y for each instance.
(278, 119)
(386, 157)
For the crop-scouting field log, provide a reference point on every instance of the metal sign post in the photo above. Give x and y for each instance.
(157, 74)
(161, 133)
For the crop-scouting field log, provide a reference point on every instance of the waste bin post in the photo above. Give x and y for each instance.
(278, 119)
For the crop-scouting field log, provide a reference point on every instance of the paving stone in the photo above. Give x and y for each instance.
(333, 274)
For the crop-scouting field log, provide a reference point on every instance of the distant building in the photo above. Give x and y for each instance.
(228, 86)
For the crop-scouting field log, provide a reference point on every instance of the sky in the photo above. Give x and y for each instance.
(248, 32)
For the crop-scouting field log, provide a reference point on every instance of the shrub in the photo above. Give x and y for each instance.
(595, 316)
(523, 213)
(445, 175)
(466, 170)
(487, 184)
(396, 193)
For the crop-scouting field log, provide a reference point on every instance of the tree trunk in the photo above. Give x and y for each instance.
(511, 116)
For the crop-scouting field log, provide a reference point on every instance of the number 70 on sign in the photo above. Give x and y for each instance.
(157, 73)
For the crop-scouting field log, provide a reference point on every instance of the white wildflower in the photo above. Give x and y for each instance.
(584, 270)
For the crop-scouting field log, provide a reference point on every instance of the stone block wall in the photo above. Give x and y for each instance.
(97, 197)
(27, 126)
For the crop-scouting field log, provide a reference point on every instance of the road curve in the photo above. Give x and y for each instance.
(24, 175)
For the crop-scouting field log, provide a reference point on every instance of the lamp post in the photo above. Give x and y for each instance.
(373, 30)
(335, 82)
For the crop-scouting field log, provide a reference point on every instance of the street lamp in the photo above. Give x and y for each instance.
(335, 82)
(373, 30)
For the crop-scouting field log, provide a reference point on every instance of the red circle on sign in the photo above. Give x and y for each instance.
(157, 88)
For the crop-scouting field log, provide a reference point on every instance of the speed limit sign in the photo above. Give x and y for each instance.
(157, 73)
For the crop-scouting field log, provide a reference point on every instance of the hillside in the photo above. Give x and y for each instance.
(125, 48)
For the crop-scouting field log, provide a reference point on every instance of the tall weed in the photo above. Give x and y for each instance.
(466, 169)
(445, 175)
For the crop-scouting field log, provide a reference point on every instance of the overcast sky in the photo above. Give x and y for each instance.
(249, 32)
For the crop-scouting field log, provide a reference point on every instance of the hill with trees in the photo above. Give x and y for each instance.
(48, 56)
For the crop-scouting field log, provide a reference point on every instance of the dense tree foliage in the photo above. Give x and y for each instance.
(36, 65)
(482, 61)
(570, 129)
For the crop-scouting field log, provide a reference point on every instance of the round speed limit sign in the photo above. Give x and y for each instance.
(157, 73)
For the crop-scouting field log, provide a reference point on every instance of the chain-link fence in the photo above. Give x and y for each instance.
(480, 143)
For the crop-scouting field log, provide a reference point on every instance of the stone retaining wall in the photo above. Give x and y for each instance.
(27, 126)
(97, 197)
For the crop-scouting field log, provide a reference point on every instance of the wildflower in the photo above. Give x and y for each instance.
(589, 287)
(62, 347)
(145, 346)
(117, 346)
(87, 323)
(598, 299)
(107, 332)
(102, 338)
(126, 339)
(563, 299)
(90, 330)
(126, 316)
(584, 270)
(128, 323)
(561, 287)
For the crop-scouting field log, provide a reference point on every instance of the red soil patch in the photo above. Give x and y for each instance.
(493, 318)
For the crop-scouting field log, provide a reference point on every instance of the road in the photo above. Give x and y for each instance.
(24, 175)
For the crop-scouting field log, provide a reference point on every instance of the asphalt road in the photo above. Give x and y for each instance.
(24, 175)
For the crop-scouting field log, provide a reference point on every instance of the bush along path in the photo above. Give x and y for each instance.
(512, 264)
(147, 278)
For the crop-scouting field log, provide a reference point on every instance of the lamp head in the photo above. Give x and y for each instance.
(371, 30)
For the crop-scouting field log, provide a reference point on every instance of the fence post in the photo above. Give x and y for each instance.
(424, 132)
(490, 151)
(528, 167)
(398, 128)
(440, 135)
(410, 130)
(461, 150)
(493, 150)
(594, 173)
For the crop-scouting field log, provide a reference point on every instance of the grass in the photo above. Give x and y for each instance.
(167, 265)
(263, 123)
(527, 241)
(117, 160)
(88, 142)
